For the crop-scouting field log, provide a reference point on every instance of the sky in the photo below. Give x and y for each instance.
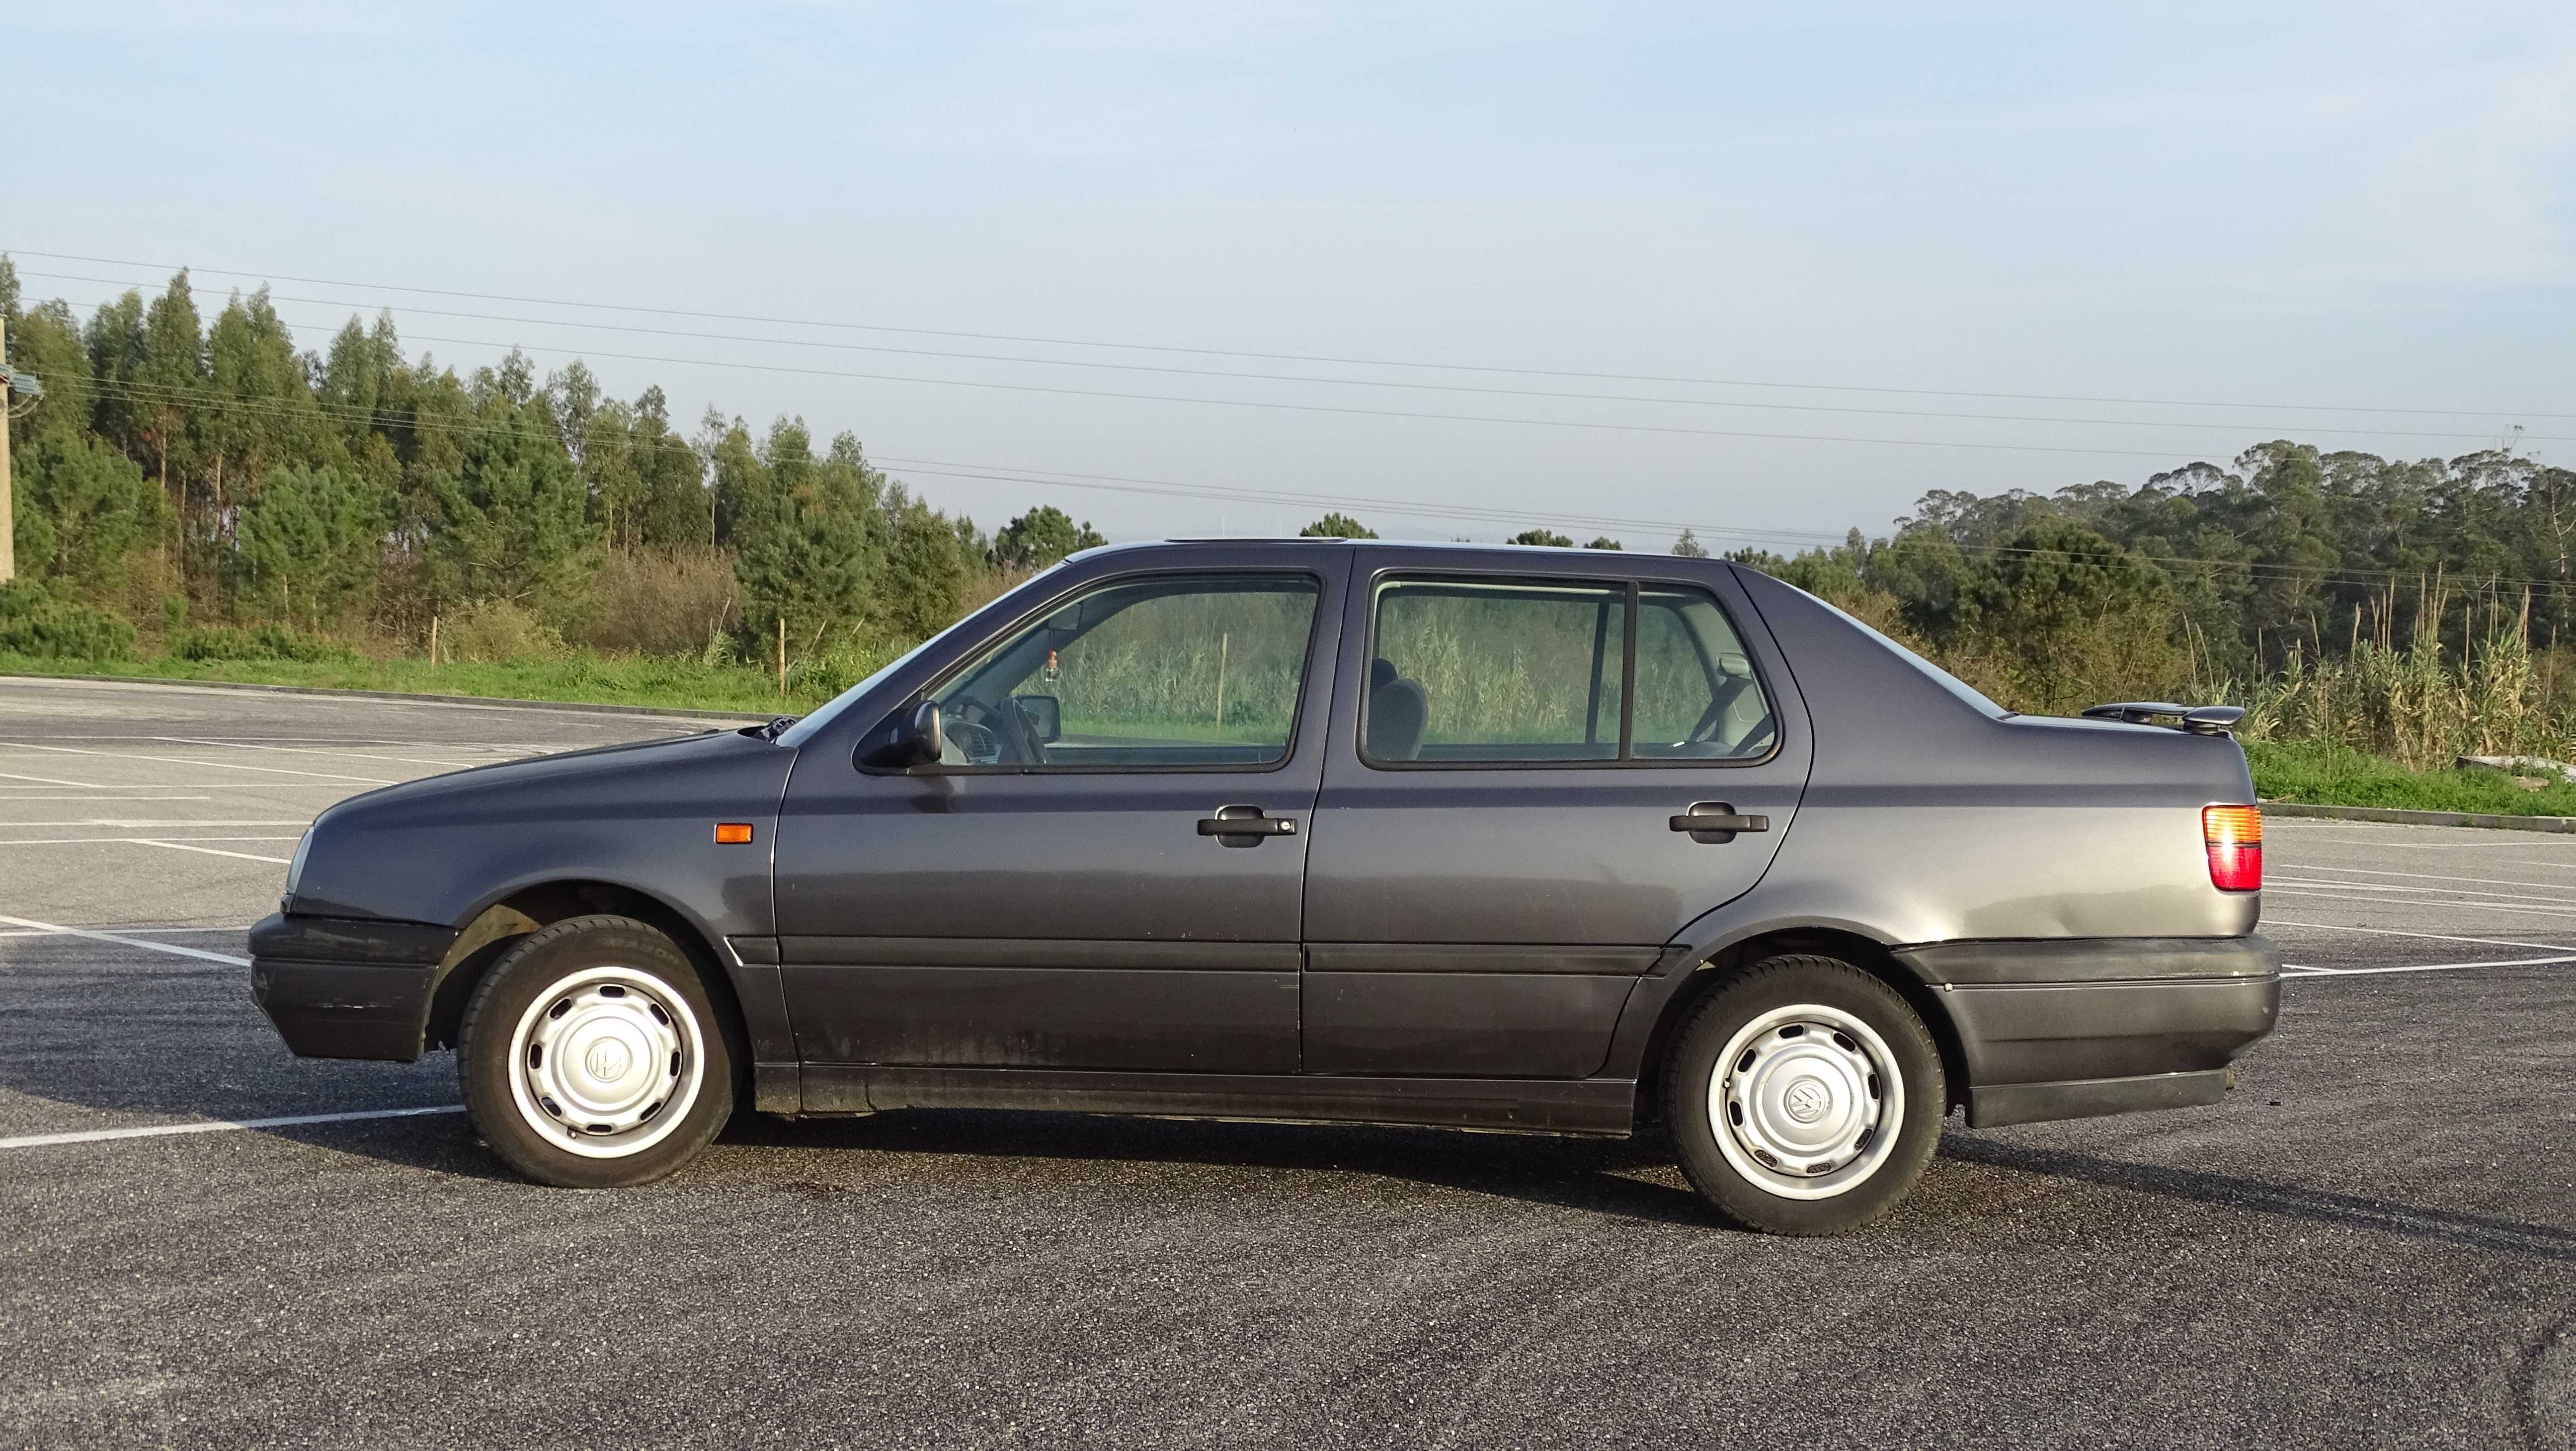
(1769, 272)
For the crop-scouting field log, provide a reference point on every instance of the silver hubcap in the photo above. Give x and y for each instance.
(608, 1061)
(1806, 1101)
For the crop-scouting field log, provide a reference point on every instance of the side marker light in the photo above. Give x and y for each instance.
(738, 833)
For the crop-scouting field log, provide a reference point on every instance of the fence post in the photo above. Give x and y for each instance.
(433, 639)
(1221, 643)
(782, 652)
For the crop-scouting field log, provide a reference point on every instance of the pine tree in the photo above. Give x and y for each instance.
(1337, 526)
(1042, 536)
(511, 521)
(803, 535)
(311, 549)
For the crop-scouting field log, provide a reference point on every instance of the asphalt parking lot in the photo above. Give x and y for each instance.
(2373, 1242)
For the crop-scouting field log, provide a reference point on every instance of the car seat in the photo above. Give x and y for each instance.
(1397, 712)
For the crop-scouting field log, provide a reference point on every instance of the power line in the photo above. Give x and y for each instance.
(1280, 357)
(1112, 483)
(1241, 375)
(1338, 409)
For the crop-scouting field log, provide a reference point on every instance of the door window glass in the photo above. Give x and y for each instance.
(1697, 697)
(1200, 670)
(1503, 672)
(1465, 673)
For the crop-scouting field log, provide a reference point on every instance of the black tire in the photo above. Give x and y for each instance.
(1802, 1064)
(639, 997)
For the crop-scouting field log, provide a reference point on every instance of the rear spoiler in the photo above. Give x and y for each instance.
(2199, 720)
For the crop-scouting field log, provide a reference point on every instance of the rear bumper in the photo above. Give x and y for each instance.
(337, 987)
(2075, 1028)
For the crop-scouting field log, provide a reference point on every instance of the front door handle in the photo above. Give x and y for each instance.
(1245, 825)
(1716, 821)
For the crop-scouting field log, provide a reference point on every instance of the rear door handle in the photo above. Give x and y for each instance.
(1716, 821)
(1246, 822)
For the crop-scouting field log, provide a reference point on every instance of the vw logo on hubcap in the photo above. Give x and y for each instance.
(608, 1060)
(1807, 1100)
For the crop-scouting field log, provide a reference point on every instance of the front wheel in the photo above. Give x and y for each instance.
(592, 1056)
(1805, 1097)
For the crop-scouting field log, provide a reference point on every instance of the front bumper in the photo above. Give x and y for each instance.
(340, 987)
(2074, 1028)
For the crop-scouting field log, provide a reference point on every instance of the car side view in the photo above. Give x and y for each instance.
(1558, 841)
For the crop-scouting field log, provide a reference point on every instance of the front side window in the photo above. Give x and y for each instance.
(1469, 673)
(1174, 671)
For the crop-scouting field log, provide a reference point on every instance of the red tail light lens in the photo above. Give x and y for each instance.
(2235, 838)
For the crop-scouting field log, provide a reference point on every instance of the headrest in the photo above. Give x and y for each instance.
(1382, 672)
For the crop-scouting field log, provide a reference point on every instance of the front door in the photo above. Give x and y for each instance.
(1504, 840)
(1103, 871)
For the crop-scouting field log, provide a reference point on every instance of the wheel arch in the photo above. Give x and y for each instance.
(502, 923)
(1717, 967)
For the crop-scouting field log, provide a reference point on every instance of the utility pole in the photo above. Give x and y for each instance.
(8, 523)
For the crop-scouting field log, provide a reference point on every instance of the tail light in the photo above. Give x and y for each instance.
(2234, 835)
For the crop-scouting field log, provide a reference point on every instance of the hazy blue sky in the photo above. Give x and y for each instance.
(2364, 206)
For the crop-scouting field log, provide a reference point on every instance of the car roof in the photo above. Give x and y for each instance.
(1409, 546)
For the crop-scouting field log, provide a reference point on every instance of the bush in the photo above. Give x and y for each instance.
(259, 642)
(34, 623)
(500, 632)
(664, 601)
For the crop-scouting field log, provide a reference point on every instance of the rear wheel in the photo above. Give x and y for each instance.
(1805, 1097)
(593, 1057)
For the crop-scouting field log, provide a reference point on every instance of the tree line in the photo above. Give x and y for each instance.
(182, 474)
(178, 472)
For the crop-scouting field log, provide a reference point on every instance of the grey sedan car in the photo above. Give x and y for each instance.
(1555, 841)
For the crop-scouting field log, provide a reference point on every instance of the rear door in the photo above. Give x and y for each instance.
(1496, 857)
(1062, 889)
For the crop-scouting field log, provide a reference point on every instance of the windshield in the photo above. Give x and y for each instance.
(830, 710)
(822, 715)
(1947, 681)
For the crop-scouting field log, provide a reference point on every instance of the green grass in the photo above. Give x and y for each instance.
(601, 680)
(2339, 776)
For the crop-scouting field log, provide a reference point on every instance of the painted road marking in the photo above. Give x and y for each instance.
(132, 825)
(95, 840)
(218, 765)
(220, 1126)
(315, 751)
(96, 936)
(2435, 877)
(2426, 967)
(209, 850)
(2426, 936)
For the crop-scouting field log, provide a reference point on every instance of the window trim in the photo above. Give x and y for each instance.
(1626, 760)
(966, 661)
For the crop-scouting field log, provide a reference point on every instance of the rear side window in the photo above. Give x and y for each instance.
(1467, 673)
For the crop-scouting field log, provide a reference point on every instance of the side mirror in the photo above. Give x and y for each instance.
(904, 741)
(1042, 716)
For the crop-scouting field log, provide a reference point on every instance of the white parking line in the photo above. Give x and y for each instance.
(132, 825)
(2427, 967)
(314, 751)
(219, 1126)
(138, 931)
(90, 840)
(2426, 936)
(2438, 877)
(2384, 901)
(218, 765)
(2400, 889)
(210, 851)
(170, 947)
